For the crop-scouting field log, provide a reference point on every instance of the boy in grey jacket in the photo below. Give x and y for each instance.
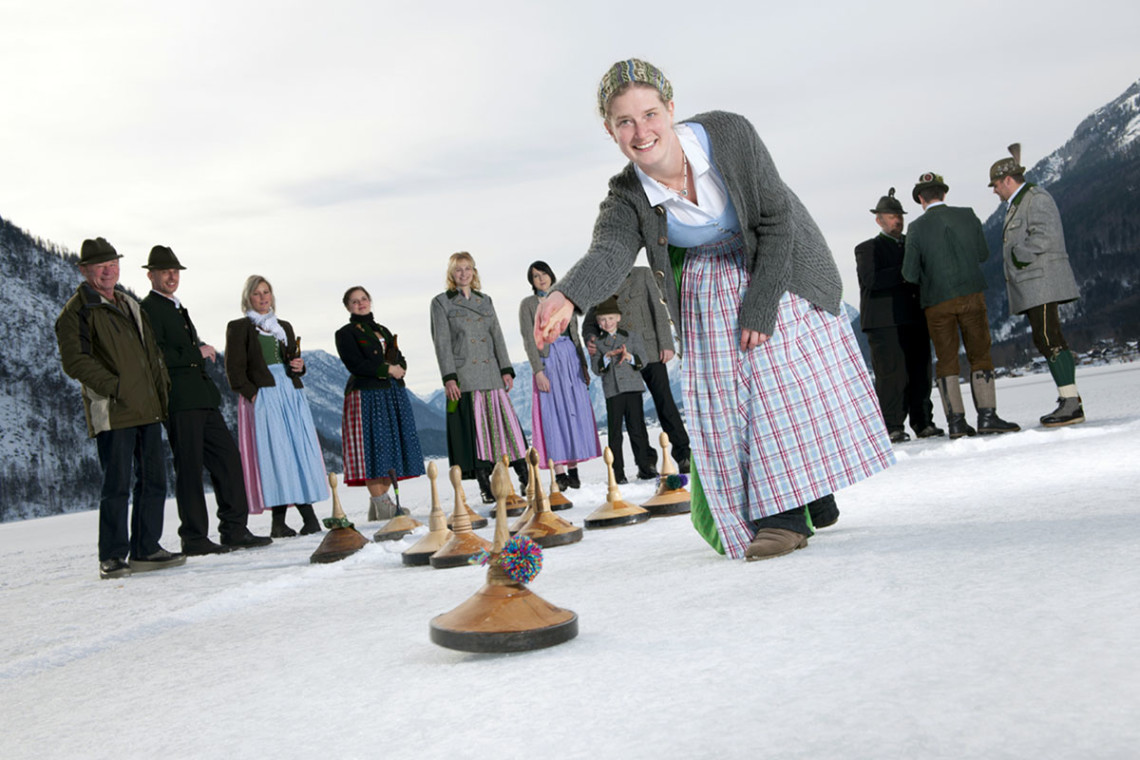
(618, 361)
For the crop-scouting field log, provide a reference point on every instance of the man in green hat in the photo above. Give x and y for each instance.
(1038, 277)
(944, 251)
(106, 343)
(892, 319)
(196, 429)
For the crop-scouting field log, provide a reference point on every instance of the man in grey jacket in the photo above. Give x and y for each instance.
(644, 312)
(1038, 277)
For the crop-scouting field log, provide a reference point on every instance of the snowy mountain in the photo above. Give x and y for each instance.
(1095, 179)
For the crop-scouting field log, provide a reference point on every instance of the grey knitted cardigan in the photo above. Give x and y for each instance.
(786, 250)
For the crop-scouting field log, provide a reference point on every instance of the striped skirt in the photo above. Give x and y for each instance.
(482, 427)
(562, 420)
(280, 454)
(378, 434)
(773, 428)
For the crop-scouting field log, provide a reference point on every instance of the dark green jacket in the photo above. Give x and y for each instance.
(944, 248)
(190, 386)
(110, 350)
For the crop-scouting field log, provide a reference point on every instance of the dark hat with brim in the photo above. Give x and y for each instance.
(928, 179)
(97, 251)
(162, 257)
(608, 306)
(1007, 166)
(888, 204)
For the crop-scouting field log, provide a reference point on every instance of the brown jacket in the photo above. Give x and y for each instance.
(246, 369)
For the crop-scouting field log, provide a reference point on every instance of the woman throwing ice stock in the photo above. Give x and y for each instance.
(779, 406)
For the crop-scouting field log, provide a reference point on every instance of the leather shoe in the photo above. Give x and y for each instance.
(620, 479)
(899, 435)
(243, 539)
(774, 542)
(683, 465)
(930, 431)
(114, 568)
(197, 547)
(158, 560)
(649, 474)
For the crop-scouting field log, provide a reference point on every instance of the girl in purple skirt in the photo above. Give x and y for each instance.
(561, 415)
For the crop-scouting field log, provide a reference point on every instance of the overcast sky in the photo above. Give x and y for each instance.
(347, 142)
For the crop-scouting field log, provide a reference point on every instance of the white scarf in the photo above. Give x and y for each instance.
(267, 323)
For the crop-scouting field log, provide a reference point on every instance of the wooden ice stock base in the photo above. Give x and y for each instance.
(464, 542)
(504, 615)
(668, 501)
(544, 527)
(420, 552)
(615, 512)
(339, 542)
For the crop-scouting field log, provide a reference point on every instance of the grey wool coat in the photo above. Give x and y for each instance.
(1036, 263)
(626, 376)
(786, 250)
(469, 343)
(643, 311)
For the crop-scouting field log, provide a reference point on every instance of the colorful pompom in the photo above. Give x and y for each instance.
(675, 482)
(480, 558)
(521, 559)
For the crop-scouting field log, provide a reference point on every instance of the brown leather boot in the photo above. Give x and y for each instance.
(774, 542)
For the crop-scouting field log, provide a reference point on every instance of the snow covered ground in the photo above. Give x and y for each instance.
(980, 599)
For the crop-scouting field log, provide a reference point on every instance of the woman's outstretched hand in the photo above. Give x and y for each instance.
(551, 319)
(750, 339)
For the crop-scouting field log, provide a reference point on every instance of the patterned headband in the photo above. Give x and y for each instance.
(632, 71)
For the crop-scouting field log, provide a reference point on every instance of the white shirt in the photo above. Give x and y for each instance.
(711, 192)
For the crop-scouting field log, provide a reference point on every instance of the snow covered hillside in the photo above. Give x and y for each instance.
(978, 600)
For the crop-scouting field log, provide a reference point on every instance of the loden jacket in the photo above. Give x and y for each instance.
(944, 250)
(1036, 264)
(246, 369)
(469, 344)
(643, 311)
(626, 376)
(190, 386)
(366, 356)
(886, 299)
(109, 348)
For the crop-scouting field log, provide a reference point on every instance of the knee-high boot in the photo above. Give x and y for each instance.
(279, 529)
(951, 393)
(985, 401)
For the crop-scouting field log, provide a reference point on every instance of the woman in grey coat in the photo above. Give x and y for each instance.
(780, 408)
(482, 426)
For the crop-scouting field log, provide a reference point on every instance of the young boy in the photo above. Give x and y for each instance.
(618, 362)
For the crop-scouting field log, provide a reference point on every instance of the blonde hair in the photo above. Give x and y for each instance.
(453, 262)
(251, 284)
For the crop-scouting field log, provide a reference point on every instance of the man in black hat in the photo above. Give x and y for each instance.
(196, 429)
(106, 343)
(1038, 277)
(891, 317)
(944, 251)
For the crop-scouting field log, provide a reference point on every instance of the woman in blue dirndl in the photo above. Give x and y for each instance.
(779, 406)
(280, 453)
(378, 428)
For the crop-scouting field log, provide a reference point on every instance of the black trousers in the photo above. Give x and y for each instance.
(137, 449)
(656, 378)
(626, 407)
(900, 356)
(200, 439)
